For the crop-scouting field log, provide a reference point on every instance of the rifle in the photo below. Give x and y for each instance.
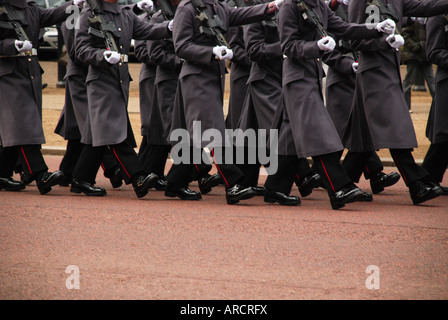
(386, 12)
(167, 9)
(312, 18)
(213, 26)
(15, 20)
(267, 23)
(106, 30)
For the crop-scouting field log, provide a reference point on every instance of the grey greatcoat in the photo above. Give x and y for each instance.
(239, 73)
(201, 85)
(20, 78)
(162, 53)
(302, 102)
(74, 114)
(265, 80)
(380, 116)
(437, 52)
(108, 85)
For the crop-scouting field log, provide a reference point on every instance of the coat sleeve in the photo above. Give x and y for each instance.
(7, 47)
(424, 8)
(236, 41)
(436, 45)
(157, 52)
(183, 37)
(49, 17)
(256, 46)
(339, 62)
(291, 43)
(69, 41)
(141, 51)
(143, 30)
(246, 15)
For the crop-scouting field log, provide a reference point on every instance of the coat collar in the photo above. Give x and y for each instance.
(111, 7)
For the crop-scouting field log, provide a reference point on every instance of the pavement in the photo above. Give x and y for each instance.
(67, 246)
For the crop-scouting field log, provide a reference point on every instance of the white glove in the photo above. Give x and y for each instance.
(387, 26)
(355, 67)
(113, 57)
(170, 25)
(326, 44)
(145, 4)
(79, 3)
(395, 41)
(23, 46)
(346, 2)
(279, 3)
(218, 52)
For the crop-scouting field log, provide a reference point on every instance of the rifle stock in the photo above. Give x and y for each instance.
(106, 30)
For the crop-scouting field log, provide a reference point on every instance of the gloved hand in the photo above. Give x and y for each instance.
(326, 44)
(355, 67)
(23, 46)
(113, 57)
(145, 5)
(79, 3)
(278, 3)
(170, 25)
(346, 2)
(395, 41)
(387, 26)
(218, 52)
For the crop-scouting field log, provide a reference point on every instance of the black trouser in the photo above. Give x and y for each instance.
(73, 153)
(372, 165)
(409, 170)
(30, 156)
(180, 174)
(290, 169)
(153, 157)
(436, 161)
(91, 158)
(333, 175)
(250, 166)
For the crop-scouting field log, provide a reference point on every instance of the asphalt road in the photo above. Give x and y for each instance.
(159, 248)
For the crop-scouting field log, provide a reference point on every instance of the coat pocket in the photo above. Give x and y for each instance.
(5, 69)
(92, 76)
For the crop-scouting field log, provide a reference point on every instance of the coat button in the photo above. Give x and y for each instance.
(121, 81)
(32, 77)
(29, 60)
(119, 29)
(120, 64)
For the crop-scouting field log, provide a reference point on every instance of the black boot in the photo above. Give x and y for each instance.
(348, 194)
(47, 180)
(142, 184)
(161, 185)
(8, 184)
(421, 192)
(87, 188)
(182, 193)
(381, 180)
(210, 181)
(281, 198)
(309, 183)
(237, 193)
(115, 177)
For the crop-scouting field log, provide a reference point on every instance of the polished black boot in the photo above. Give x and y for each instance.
(8, 184)
(182, 193)
(88, 189)
(48, 180)
(348, 194)
(142, 184)
(260, 191)
(381, 180)
(237, 193)
(309, 183)
(210, 181)
(281, 198)
(161, 185)
(421, 192)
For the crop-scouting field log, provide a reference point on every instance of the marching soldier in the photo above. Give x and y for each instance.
(436, 160)
(304, 114)
(108, 92)
(21, 132)
(380, 116)
(201, 87)
(343, 64)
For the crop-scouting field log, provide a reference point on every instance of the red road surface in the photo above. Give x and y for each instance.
(160, 248)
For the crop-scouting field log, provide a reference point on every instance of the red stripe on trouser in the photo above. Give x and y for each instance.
(121, 163)
(222, 175)
(298, 178)
(400, 169)
(196, 167)
(26, 160)
(328, 177)
(102, 166)
(367, 169)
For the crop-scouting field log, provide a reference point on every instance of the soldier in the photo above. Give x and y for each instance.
(380, 116)
(108, 92)
(341, 81)
(201, 87)
(304, 114)
(436, 160)
(74, 114)
(21, 132)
